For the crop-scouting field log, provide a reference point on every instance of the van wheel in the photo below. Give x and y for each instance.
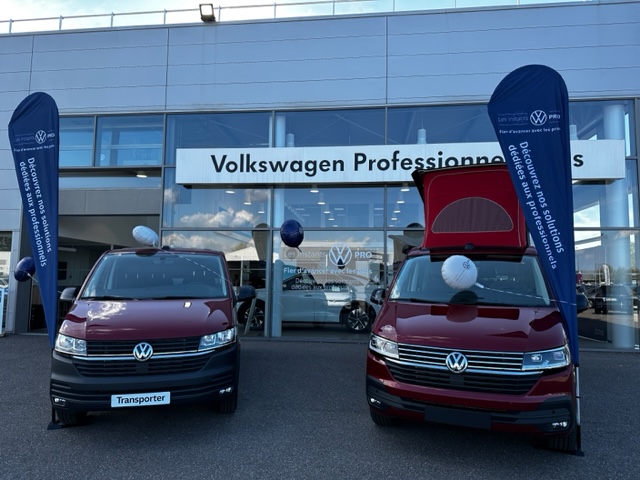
(229, 404)
(358, 318)
(257, 322)
(381, 420)
(70, 419)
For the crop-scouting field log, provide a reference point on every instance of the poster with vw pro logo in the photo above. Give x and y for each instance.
(335, 264)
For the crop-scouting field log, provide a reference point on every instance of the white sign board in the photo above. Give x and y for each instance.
(591, 159)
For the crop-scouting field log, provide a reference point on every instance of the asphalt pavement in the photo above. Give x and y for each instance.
(302, 414)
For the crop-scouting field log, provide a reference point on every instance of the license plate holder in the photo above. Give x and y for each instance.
(453, 416)
(140, 399)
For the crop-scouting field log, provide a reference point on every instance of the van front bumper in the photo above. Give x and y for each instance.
(214, 379)
(553, 415)
(547, 407)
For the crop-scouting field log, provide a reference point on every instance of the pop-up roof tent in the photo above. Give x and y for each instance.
(471, 205)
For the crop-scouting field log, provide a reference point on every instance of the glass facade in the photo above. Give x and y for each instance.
(5, 256)
(355, 233)
(129, 141)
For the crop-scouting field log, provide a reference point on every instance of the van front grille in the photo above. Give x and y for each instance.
(115, 358)
(487, 372)
(485, 360)
(125, 347)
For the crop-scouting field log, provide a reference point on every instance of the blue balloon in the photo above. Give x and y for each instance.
(24, 269)
(291, 233)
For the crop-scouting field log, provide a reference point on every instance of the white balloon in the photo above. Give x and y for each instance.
(459, 272)
(145, 236)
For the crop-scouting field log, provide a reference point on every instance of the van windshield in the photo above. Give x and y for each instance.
(157, 275)
(504, 280)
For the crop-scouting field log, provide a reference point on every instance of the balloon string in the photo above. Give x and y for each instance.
(479, 285)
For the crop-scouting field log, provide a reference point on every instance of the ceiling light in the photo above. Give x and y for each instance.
(141, 175)
(314, 189)
(405, 188)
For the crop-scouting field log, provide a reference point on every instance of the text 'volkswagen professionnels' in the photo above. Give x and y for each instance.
(150, 326)
(469, 333)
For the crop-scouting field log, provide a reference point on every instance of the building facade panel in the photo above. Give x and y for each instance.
(95, 78)
(114, 98)
(325, 65)
(105, 58)
(100, 42)
(432, 47)
(277, 30)
(259, 95)
(117, 70)
(11, 94)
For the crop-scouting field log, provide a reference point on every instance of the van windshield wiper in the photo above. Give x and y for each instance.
(108, 297)
(176, 297)
(416, 300)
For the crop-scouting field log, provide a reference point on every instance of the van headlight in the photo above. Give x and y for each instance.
(70, 345)
(547, 359)
(215, 340)
(384, 347)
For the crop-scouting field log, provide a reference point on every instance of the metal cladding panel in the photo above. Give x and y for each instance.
(93, 78)
(300, 63)
(270, 32)
(111, 99)
(12, 48)
(116, 70)
(476, 205)
(462, 55)
(8, 218)
(102, 42)
(144, 56)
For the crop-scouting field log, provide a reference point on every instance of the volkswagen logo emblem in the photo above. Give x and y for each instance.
(41, 136)
(142, 351)
(538, 117)
(340, 255)
(456, 362)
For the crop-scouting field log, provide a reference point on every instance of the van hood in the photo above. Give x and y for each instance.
(146, 319)
(471, 327)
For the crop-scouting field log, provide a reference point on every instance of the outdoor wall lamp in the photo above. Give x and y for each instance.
(206, 12)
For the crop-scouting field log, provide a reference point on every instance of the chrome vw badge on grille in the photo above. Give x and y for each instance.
(456, 362)
(142, 351)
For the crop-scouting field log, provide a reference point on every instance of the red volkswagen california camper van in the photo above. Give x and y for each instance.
(469, 333)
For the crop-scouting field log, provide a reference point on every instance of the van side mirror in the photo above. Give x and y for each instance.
(247, 292)
(69, 294)
(377, 296)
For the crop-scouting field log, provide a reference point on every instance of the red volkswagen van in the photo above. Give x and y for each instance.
(150, 326)
(469, 333)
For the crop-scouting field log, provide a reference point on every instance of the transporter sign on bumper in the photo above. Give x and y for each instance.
(140, 399)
